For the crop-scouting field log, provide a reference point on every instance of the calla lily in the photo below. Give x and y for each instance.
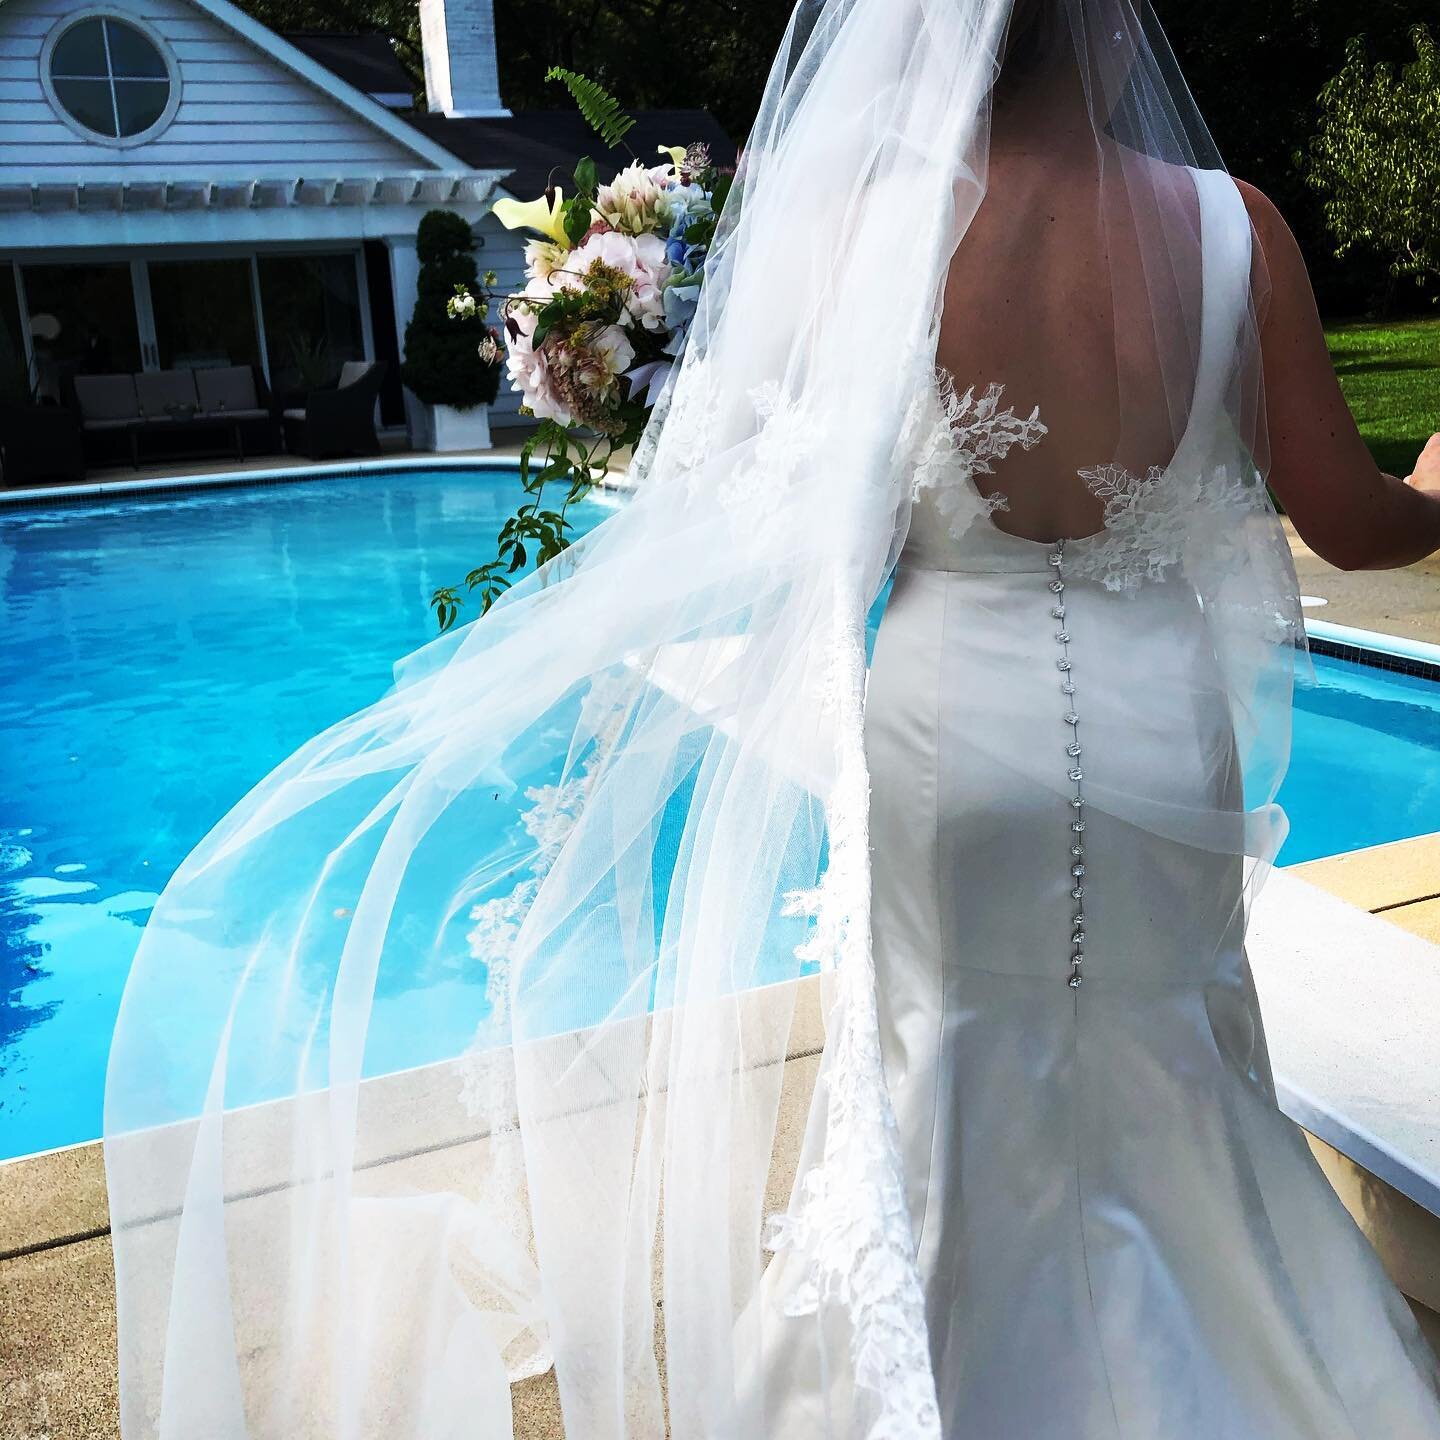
(676, 154)
(544, 214)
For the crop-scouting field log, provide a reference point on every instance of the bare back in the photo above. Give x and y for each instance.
(1052, 283)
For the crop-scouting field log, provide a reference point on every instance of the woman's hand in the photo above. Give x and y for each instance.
(1425, 477)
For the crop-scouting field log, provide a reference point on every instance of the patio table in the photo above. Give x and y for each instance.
(185, 425)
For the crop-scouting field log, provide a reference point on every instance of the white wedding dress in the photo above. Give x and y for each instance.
(1119, 1235)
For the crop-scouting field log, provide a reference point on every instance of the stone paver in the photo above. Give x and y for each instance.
(1381, 878)
(60, 1194)
(57, 1344)
(1422, 919)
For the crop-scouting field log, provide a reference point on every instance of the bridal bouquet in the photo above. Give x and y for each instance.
(613, 276)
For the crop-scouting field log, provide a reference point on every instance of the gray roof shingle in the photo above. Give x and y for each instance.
(540, 147)
(368, 61)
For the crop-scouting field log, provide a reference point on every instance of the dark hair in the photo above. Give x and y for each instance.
(1034, 39)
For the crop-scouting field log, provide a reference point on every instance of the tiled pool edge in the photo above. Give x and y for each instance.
(48, 496)
(1380, 651)
(275, 475)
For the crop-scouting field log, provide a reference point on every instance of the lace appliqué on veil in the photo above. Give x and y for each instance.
(754, 480)
(554, 812)
(684, 431)
(786, 435)
(849, 1222)
(962, 438)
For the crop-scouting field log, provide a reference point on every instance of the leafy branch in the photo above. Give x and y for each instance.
(1376, 156)
(577, 324)
(599, 107)
(533, 531)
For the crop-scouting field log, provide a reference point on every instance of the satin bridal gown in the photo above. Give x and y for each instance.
(1119, 1234)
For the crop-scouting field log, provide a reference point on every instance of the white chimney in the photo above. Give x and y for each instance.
(462, 76)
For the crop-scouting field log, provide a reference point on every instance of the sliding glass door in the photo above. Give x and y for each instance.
(204, 313)
(297, 317)
(82, 320)
(313, 324)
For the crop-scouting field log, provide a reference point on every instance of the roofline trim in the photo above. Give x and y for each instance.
(272, 43)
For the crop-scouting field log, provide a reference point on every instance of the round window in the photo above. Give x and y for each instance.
(110, 77)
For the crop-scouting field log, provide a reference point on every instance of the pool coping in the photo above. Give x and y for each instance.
(47, 496)
(1375, 648)
(57, 1197)
(1350, 920)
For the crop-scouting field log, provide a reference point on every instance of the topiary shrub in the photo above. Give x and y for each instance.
(442, 361)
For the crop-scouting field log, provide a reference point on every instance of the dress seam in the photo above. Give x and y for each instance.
(1084, 1242)
(1077, 893)
(940, 933)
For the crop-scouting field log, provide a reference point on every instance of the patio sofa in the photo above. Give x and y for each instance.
(341, 420)
(220, 410)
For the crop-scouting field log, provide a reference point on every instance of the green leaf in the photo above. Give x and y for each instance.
(599, 107)
(578, 218)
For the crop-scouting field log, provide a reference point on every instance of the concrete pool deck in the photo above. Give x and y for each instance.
(1394, 602)
(57, 1327)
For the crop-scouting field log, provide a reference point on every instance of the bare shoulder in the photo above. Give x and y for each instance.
(1281, 279)
(1276, 238)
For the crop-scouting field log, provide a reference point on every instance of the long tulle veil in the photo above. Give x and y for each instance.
(458, 1049)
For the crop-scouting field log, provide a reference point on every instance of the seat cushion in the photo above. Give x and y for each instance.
(228, 388)
(158, 389)
(353, 370)
(294, 414)
(96, 425)
(107, 397)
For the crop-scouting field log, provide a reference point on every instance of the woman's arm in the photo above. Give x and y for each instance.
(1346, 509)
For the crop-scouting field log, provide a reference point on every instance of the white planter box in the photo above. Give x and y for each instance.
(443, 428)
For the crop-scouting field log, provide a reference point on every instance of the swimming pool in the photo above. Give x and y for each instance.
(163, 651)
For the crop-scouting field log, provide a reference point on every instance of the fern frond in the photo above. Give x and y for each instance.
(599, 107)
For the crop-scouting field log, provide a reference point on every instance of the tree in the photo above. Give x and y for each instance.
(442, 352)
(397, 19)
(655, 54)
(1376, 157)
(1254, 66)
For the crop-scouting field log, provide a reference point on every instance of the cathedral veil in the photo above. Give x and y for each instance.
(488, 990)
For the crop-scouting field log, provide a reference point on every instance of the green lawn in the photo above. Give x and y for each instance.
(1391, 376)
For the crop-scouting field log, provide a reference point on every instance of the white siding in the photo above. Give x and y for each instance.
(241, 112)
(504, 253)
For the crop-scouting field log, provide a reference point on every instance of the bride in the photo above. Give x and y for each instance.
(492, 986)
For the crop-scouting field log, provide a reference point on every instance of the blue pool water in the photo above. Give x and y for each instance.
(161, 653)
